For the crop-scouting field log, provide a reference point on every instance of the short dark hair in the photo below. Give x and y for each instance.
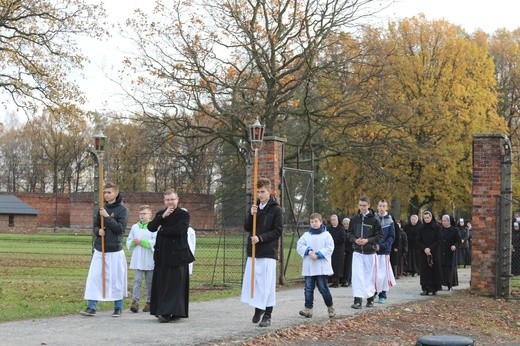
(109, 185)
(364, 198)
(263, 182)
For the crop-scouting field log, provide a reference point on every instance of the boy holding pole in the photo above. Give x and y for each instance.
(110, 224)
(269, 226)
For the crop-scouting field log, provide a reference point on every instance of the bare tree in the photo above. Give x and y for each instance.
(229, 62)
(38, 48)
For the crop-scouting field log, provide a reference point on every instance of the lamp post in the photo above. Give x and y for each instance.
(97, 152)
(256, 137)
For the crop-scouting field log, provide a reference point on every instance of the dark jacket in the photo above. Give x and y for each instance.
(388, 227)
(367, 227)
(171, 245)
(449, 237)
(339, 235)
(269, 226)
(115, 225)
(402, 244)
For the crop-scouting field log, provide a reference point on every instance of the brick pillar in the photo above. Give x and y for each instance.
(491, 219)
(270, 163)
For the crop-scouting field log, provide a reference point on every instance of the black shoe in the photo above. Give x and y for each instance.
(164, 318)
(88, 312)
(266, 322)
(117, 313)
(356, 305)
(370, 303)
(334, 285)
(434, 293)
(258, 315)
(424, 293)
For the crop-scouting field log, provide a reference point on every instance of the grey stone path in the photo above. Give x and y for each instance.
(225, 321)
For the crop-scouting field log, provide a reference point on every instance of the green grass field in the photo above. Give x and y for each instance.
(44, 274)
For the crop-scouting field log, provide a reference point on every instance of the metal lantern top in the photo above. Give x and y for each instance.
(256, 134)
(99, 142)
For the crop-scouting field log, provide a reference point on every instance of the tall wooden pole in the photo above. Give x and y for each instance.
(253, 246)
(102, 222)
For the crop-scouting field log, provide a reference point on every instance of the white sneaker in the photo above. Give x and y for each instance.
(332, 312)
(306, 312)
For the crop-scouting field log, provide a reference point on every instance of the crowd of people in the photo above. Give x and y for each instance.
(369, 251)
(379, 249)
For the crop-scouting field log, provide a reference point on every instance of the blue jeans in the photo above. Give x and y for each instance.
(310, 283)
(118, 304)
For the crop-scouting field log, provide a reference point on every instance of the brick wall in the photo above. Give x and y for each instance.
(200, 207)
(22, 224)
(270, 163)
(52, 209)
(76, 210)
(487, 151)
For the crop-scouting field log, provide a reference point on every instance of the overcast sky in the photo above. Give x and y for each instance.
(105, 58)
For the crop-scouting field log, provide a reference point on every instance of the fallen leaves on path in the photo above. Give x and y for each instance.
(487, 321)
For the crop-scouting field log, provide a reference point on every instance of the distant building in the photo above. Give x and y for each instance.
(17, 216)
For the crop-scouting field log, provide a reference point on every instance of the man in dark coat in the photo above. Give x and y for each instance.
(170, 282)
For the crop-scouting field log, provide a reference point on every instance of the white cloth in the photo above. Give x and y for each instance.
(192, 242)
(322, 242)
(142, 258)
(115, 277)
(264, 293)
(364, 269)
(385, 274)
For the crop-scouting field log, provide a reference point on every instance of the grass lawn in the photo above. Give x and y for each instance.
(44, 274)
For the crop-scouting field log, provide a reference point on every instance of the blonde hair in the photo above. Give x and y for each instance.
(170, 191)
(145, 207)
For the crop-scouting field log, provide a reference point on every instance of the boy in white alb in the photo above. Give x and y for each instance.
(141, 242)
(316, 247)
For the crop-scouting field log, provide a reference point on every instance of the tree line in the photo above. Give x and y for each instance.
(387, 111)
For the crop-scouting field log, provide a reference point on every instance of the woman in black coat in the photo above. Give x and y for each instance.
(449, 244)
(463, 255)
(429, 240)
(414, 254)
(339, 235)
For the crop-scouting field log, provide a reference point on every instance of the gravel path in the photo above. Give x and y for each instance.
(225, 321)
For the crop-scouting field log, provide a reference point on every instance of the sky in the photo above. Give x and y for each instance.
(105, 95)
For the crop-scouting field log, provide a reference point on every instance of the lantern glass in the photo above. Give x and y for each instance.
(100, 142)
(256, 134)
